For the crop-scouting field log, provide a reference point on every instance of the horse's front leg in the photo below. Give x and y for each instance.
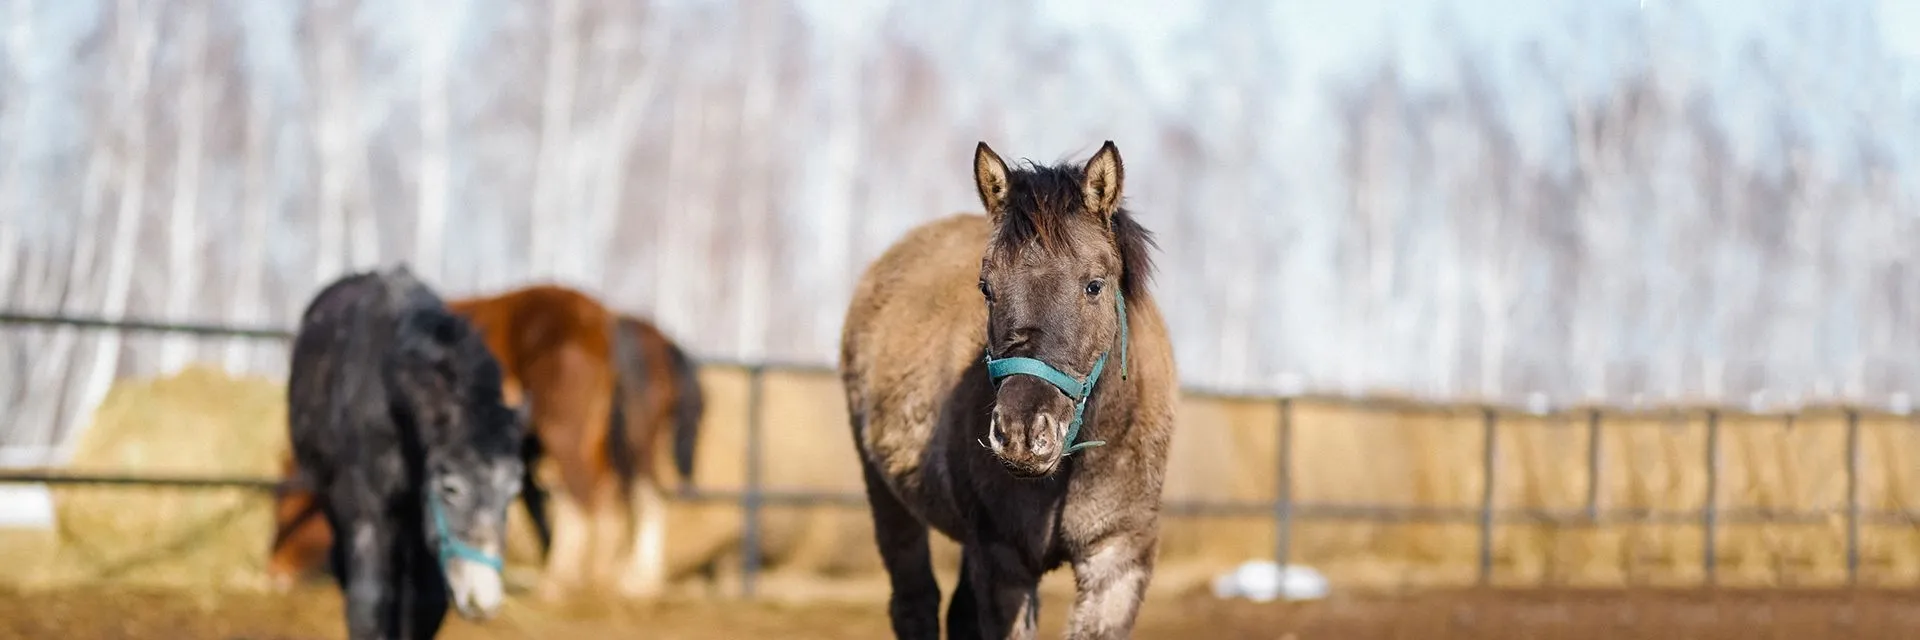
(1110, 582)
(372, 605)
(422, 584)
(1003, 595)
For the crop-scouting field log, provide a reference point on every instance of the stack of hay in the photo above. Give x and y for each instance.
(198, 422)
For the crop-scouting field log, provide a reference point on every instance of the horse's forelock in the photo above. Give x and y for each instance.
(1043, 205)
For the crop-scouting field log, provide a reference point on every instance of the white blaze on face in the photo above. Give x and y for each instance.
(477, 588)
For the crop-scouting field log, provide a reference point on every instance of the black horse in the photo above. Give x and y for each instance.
(398, 427)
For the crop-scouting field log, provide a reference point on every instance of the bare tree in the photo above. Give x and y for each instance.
(333, 131)
(138, 31)
(13, 135)
(17, 268)
(258, 209)
(622, 122)
(67, 289)
(435, 31)
(352, 110)
(183, 229)
(754, 269)
(556, 134)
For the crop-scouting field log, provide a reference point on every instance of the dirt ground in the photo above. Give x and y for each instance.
(1541, 614)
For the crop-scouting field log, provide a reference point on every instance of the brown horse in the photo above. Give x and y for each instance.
(600, 391)
(1051, 448)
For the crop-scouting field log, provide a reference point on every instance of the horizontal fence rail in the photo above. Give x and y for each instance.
(1285, 512)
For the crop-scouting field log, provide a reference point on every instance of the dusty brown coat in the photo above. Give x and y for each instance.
(922, 406)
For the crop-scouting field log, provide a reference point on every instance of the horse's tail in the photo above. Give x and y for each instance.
(689, 404)
(630, 383)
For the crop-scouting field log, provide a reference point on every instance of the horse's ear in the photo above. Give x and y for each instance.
(990, 176)
(1102, 185)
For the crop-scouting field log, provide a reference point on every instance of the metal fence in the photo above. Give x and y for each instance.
(1285, 511)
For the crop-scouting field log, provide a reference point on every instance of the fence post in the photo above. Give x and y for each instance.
(1853, 496)
(750, 496)
(1490, 422)
(1283, 486)
(1593, 467)
(1710, 509)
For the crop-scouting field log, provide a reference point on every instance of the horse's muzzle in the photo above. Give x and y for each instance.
(477, 589)
(1028, 427)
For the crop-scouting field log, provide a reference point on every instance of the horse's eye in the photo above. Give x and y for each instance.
(449, 488)
(986, 291)
(1093, 288)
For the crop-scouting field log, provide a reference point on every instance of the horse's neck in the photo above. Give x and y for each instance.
(1115, 402)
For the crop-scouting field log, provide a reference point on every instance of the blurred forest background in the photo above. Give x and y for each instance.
(1567, 200)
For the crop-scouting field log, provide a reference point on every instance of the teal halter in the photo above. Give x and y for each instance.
(451, 547)
(1076, 389)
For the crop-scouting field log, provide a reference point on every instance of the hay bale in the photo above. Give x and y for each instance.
(199, 421)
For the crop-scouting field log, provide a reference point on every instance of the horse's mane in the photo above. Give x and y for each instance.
(445, 344)
(1042, 202)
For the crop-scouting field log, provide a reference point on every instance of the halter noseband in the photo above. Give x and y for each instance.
(451, 547)
(1076, 389)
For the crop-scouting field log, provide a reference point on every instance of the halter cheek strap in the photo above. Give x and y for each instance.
(1076, 389)
(451, 547)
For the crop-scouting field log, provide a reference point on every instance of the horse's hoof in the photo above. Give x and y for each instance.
(643, 590)
(280, 583)
(550, 593)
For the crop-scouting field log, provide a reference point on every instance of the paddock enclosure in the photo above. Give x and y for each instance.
(1542, 319)
(1386, 498)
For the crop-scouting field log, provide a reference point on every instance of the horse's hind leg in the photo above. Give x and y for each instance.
(645, 575)
(535, 497)
(571, 536)
(915, 604)
(569, 452)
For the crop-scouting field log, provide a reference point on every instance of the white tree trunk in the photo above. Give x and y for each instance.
(754, 268)
(435, 32)
(629, 107)
(363, 231)
(259, 208)
(65, 289)
(332, 129)
(183, 229)
(556, 121)
(668, 237)
(132, 206)
(14, 130)
(16, 279)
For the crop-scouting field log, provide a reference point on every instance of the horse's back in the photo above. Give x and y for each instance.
(553, 343)
(523, 324)
(336, 392)
(918, 305)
